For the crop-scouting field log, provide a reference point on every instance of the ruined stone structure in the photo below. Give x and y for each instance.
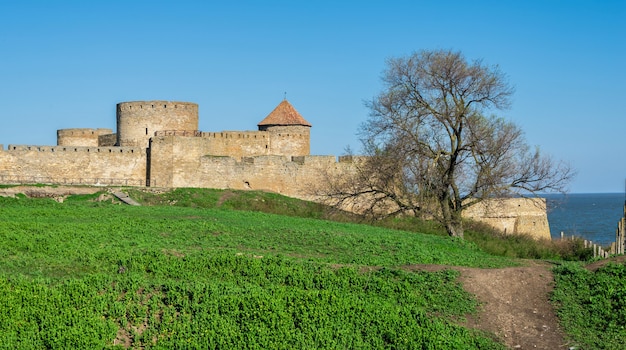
(513, 215)
(158, 144)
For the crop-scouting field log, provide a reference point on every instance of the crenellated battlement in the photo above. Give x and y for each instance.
(236, 135)
(83, 132)
(68, 149)
(184, 133)
(249, 135)
(156, 105)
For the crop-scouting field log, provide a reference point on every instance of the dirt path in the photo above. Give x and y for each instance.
(515, 304)
(598, 264)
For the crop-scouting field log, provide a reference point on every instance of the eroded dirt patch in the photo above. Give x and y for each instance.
(515, 304)
(598, 264)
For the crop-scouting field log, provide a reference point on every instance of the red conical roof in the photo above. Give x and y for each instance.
(284, 114)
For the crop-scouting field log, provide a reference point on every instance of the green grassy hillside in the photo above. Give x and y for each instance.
(205, 268)
(85, 274)
(483, 236)
(592, 304)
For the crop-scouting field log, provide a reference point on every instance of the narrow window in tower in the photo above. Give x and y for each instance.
(146, 131)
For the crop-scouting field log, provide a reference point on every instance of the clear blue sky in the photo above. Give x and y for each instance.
(65, 64)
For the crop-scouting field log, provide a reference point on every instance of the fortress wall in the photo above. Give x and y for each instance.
(319, 161)
(73, 165)
(511, 207)
(174, 160)
(278, 174)
(161, 165)
(80, 137)
(269, 173)
(536, 226)
(513, 215)
(138, 121)
(290, 140)
(107, 140)
(237, 144)
(178, 161)
(186, 153)
(286, 129)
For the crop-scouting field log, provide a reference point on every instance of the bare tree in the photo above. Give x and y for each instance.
(435, 148)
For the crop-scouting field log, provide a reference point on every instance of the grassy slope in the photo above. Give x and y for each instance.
(592, 304)
(83, 274)
(488, 240)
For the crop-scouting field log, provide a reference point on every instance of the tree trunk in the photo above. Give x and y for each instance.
(451, 218)
(455, 229)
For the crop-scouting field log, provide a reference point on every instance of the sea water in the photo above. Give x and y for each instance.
(591, 216)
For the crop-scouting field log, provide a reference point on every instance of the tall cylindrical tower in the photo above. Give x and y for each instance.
(138, 121)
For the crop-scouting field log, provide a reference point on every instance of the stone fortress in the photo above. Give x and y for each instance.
(158, 144)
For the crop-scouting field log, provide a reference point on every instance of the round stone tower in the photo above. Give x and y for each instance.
(81, 137)
(138, 121)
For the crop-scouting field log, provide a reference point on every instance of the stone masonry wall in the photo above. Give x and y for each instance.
(269, 173)
(237, 144)
(290, 140)
(73, 165)
(107, 140)
(513, 215)
(138, 121)
(81, 137)
(192, 162)
(175, 160)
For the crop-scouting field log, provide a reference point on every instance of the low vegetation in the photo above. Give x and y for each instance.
(483, 236)
(223, 269)
(84, 274)
(592, 304)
